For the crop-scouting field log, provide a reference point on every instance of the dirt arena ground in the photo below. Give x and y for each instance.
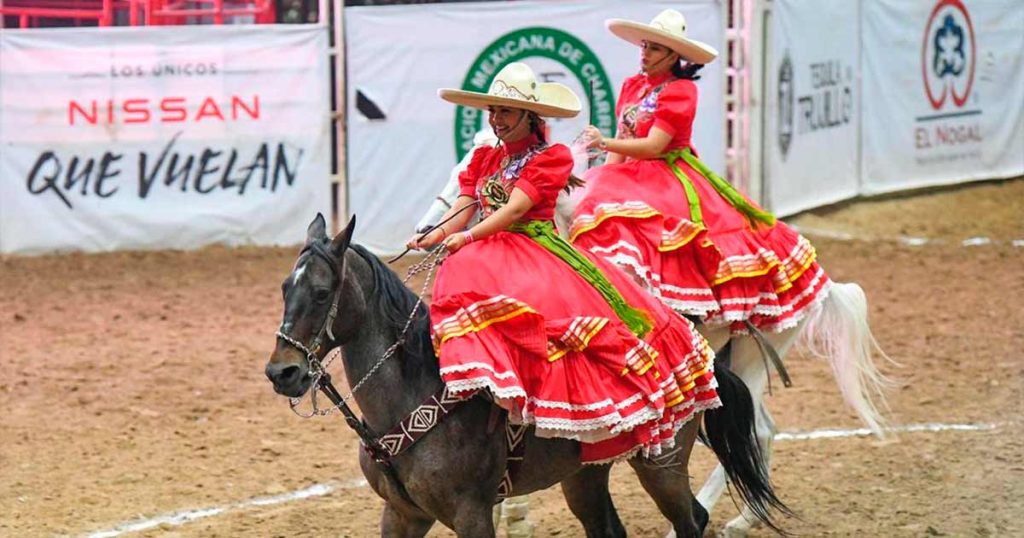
(131, 386)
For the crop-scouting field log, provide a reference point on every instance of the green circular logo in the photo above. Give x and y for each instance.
(537, 41)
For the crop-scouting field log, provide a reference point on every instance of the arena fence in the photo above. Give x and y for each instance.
(811, 102)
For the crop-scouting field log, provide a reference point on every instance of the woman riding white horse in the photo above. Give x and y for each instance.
(703, 247)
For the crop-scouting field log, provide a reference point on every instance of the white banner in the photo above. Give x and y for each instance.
(812, 129)
(176, 137)
(943, 92)
(403, 140)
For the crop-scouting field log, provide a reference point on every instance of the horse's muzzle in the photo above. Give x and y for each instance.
(290, 380)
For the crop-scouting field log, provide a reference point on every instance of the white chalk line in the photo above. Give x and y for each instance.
(864, 432)
(180, 518)
(317, 490)
(908, 240)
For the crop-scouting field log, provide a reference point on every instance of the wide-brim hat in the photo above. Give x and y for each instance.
(516, 86)
(668, 29)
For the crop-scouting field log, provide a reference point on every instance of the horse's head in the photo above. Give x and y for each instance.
(313, 295)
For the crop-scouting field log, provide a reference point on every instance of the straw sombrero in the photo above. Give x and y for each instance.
(667, 29)
(516, 86)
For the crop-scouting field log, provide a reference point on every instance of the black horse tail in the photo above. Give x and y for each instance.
(729, 431)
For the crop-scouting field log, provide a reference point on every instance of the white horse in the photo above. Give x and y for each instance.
(836, 329)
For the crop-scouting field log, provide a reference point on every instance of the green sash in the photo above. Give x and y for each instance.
(543, 233)
(727, 191)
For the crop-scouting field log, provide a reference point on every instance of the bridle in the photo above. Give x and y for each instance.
(315, 366)
(371, 442)
(318, 369)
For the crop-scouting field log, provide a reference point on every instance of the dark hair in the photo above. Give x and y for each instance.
(537, 126)
(687, 71)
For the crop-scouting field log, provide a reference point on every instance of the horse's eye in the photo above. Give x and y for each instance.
(321, 295)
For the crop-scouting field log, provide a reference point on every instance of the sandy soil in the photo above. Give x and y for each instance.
(132, 386)
(992, 209)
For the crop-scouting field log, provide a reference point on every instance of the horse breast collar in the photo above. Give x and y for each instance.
(494, 191)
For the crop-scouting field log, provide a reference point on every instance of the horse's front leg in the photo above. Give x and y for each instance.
(395, 524)
(474, 520)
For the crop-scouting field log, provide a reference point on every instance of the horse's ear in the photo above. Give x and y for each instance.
(317, 230)
(341, 241)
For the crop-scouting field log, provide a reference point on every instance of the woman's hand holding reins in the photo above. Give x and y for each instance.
(422, 241)
(456, 241)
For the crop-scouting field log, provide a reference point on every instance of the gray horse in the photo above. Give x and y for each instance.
(452, 474)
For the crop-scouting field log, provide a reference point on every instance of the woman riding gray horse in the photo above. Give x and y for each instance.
(530, 332)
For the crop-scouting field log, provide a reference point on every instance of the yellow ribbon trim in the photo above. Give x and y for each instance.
(583, 340)
(601, 216)
(472, 327)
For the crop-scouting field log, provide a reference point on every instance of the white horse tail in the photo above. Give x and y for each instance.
(839, 332)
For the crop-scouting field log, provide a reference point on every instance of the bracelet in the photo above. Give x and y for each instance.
(603, 145)
(468, 235)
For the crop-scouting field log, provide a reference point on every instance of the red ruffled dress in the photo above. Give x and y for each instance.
(512, 318)
(723, 270)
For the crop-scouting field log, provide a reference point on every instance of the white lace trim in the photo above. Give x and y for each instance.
(810, 289)
(565, 406)
(586, 430)
(711, 311)
(465, 367)
(628, 424)
(599, 428)
(608, 425)
(801, 245)
(687, 291)
(749, 300)
(697, 308)
(631, 266)
(799, 315)
(648, 451)
(653, 284)
(477, 383)
(616, 246)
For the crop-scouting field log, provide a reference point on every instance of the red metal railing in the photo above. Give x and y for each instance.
(30, 12)
(33, 13)
(162, 12)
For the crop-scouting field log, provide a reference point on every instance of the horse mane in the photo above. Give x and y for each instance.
(395, 303)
